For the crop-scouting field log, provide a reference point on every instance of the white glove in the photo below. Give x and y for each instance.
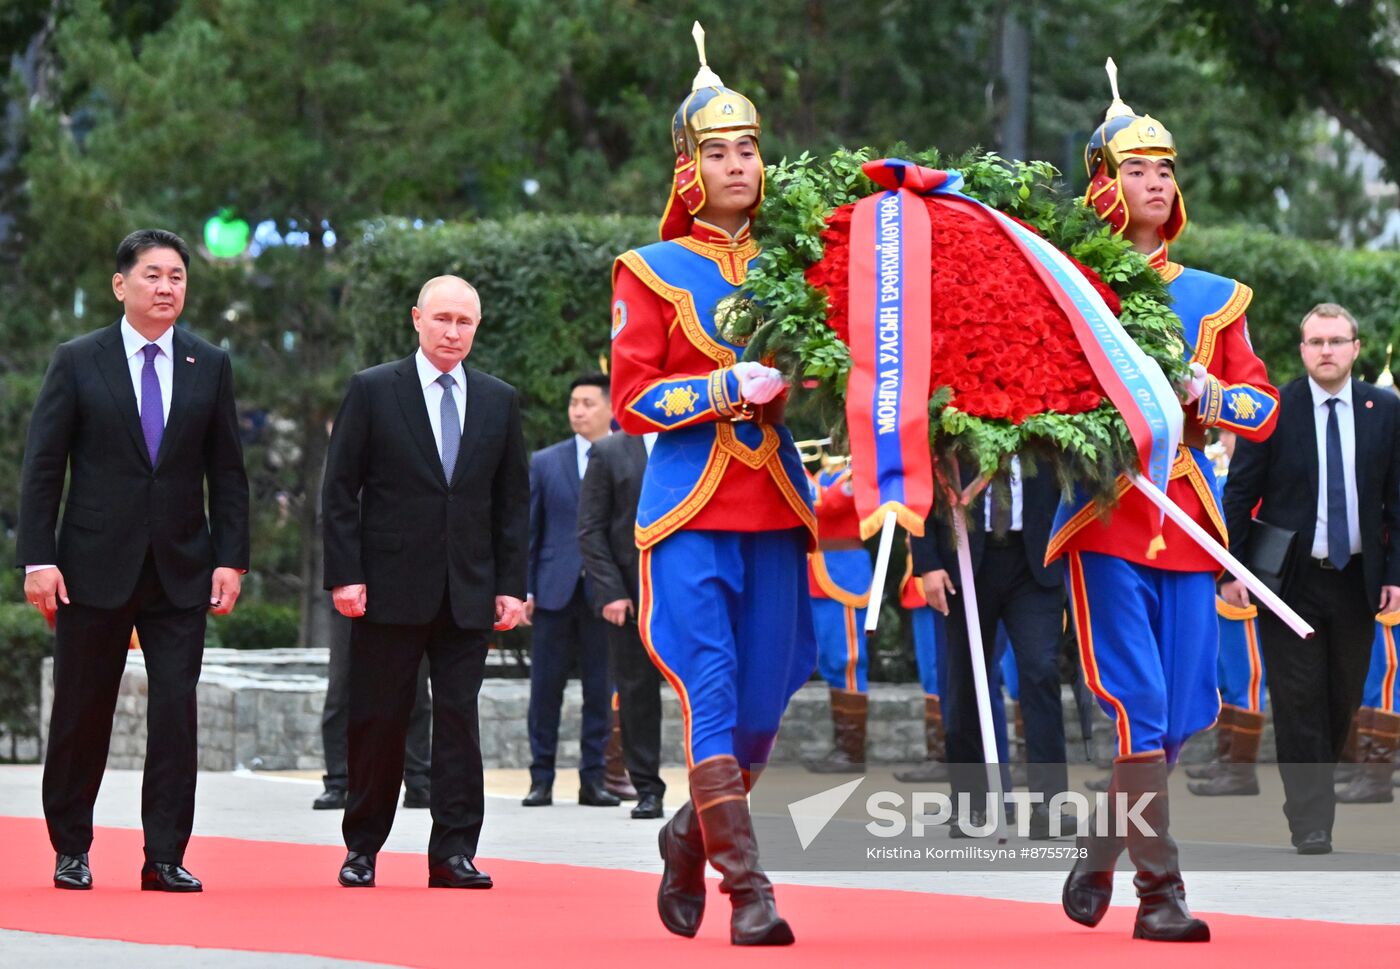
(758, 384)
(1196, 385)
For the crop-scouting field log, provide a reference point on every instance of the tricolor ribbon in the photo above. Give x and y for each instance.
(887, 394)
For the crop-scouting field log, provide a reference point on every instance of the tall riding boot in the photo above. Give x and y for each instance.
(1162, 913)
(1089, 887)
(1223, 735)
(934, 767)
(717, 788)
(848, 715)
(1351, 752)
(1237, 773)
(1379, 737)
(681, 900)
(616, 780)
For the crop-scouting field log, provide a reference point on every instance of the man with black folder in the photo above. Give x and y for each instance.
(1331, 473)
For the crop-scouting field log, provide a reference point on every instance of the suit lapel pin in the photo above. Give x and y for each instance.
(189, 360)
(1370, 404)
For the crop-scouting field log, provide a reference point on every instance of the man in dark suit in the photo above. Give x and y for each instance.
(141, 416)
(566, 630)
(1015, 587)
(1331, 472)
(425, 548)
(607, 518)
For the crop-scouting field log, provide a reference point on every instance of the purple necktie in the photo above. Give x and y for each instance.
(152, 410)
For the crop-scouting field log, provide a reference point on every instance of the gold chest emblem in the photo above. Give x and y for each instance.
(677, 401)
(1243, 406)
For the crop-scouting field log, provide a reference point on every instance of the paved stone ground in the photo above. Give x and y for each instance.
(277, 807)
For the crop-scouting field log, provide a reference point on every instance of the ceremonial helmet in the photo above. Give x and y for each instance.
(711, 110)
(1122, 135)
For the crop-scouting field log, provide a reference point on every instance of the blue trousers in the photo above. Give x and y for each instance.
(930, 641)
(1381, 681)
(841, 656)
(727, 619)
(1148, 641)
(1241, 665)
(565, 638)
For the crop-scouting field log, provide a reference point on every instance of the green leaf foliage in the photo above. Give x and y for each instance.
(25, 640)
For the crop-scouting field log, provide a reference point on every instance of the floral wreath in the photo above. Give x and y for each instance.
(1002, 386)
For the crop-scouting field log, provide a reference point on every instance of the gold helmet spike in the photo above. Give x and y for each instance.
(1386, 378)
(703, 77)
(1117, 109)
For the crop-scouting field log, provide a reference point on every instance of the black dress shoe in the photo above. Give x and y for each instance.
(357, 870)
(159, 876)
(1315, 843)
(541, 795)
(72, 872)
(648, 806)
(1039, 827)
(976, 820)
(457, 872)
(331, 799)
(417, 797)
(595, 795)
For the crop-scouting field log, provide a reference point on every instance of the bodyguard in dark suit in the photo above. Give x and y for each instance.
(1330, 472)
(607, 517)
(425, 548)
(1007, 542)
(139, 417)
(567, 633)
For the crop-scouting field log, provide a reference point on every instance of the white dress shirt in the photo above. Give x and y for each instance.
(134, 345)
(1016, 523)
(433, 391)
(1346, 424)
(582, 446)
(649, 438)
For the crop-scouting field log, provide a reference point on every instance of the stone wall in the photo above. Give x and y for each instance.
(261, 709)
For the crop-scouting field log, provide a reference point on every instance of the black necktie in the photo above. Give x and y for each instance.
(1338, 534)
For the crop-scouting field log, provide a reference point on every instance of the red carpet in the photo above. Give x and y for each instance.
(269, 897)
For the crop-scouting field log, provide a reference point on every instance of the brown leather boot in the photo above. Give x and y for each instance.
(849, 711)
(1223, 736)
(1237, 774)
(1162, 913)
(934, 767)
(1089, 888)
(616, 780)
(681, 899)
(717, 788)
(1379, 738)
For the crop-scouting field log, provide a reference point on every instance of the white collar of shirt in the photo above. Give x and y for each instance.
(582, 446)
(649, 438)
(133, 342)
(1320, 397)
(428, 374)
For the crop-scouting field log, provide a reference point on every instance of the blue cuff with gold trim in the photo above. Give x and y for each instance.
(1237, 406)
(681, 401)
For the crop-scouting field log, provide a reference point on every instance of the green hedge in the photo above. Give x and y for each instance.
(1290, 277)
(25, 640)
(546, 293)
(254, 625)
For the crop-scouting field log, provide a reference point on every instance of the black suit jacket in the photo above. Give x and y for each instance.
(1039, 499)
(86, 423)
(1283, 472)
(607, 517)
(394, 523)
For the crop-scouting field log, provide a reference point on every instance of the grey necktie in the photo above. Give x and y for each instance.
(451, 426)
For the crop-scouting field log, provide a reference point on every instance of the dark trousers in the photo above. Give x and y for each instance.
(1315, 686)
(562, 638)
(1034, 617)
(90, 649)
(336, 715)
(384, 662)
(638, 706)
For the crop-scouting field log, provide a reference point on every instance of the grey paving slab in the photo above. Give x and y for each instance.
(39, 951)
